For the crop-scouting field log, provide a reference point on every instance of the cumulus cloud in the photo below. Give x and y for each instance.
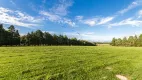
(18, 18)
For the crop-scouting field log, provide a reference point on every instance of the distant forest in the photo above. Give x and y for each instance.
(135, 41)
(11, 37)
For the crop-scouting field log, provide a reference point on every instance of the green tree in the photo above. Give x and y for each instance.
(118, 42)
(136, 41)
(23, 40)
(16, 38)
(55, 38)
(2, 34)
(11, 35)
(131, 41)
(48, 38)
(140, 40)
(39, 37)
(124, 41)
(113, 42)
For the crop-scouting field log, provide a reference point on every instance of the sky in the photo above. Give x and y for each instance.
(93, 20)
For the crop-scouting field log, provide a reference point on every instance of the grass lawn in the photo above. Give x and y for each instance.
(70, 63)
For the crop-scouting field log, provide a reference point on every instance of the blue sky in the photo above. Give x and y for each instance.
(93, 20)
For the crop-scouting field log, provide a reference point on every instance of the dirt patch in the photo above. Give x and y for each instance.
(109, 68)
(121, 77)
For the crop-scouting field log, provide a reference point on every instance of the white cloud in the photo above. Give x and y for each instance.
(51, 17)
(105, 20)
(51, 32)
(131, 6)
(61, 8)
(134, 21)
(129, 21)
(11, 1)
(4, 10)
(79, 17)
(58, 12)
(139, 13)
(56, 18)
(90, 22)
(94, 21)
(18, 18)
(68, 21)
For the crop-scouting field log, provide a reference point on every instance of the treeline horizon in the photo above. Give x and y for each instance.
(131, 41)
(11, 37)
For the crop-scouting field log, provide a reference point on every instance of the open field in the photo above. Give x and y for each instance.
(103, 45)
(70, 63)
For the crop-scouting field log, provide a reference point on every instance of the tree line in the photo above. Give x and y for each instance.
(135, 41)
(11, 37)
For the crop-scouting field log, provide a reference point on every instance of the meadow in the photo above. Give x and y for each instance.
(70, 63)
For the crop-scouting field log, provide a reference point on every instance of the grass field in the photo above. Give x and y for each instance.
(70, 63)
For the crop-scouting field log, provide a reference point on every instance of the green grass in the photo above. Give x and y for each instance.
(70, 63)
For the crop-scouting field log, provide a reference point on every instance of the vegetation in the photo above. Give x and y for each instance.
(70, 63)
(11, 37)
(130, 41)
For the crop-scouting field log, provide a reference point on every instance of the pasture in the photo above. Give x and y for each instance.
(70, 63)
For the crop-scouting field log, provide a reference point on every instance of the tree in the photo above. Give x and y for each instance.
(124, 41)
(17, 38)
(55, 40)
(2, 32)
(65, 40)
(113, 42)
(12, 37)
(136, 43)
(118, 42)
(39, 37)
(130, 41)
(73, 41)
(28, 39)
(140, 40)
(11, 29)
(23, 40)
(48, 38)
